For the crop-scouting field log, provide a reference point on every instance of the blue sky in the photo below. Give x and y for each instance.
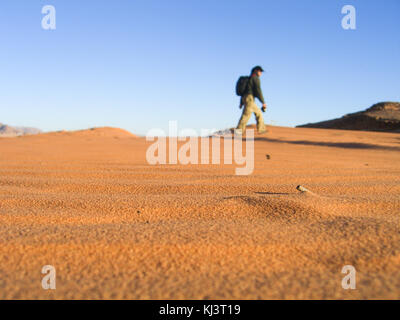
(138, 64)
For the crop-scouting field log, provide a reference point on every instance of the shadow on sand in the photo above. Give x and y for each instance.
(346, 145)
(274, 193)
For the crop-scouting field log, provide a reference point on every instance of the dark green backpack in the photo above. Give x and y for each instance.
(241, 85)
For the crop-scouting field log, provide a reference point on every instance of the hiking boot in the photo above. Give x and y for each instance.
(262, 131)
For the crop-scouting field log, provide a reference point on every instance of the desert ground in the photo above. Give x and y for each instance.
(115, 227)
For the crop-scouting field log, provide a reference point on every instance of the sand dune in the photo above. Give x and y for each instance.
(115, 227)
(95, 132)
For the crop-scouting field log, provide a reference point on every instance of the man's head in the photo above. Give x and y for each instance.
(257, 70)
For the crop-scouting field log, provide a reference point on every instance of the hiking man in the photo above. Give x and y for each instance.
(249, 90)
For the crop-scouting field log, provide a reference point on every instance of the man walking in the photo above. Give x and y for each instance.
(252, 91)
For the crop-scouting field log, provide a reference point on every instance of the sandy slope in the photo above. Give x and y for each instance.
(116, 227)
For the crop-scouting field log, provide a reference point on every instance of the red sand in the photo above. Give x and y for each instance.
(115, 227)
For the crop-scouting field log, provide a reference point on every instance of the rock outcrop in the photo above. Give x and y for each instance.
(383, 116)
(9, 131)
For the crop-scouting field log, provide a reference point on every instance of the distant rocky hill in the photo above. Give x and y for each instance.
(383, 116)
(8, 131)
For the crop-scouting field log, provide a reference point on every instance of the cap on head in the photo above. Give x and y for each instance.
(257, 68)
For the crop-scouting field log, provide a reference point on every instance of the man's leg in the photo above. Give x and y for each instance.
(244, 118)
(259, 118)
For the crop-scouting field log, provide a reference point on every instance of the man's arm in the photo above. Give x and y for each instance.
(241, 103)
(257, 90)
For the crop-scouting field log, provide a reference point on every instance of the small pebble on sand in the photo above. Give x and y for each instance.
(302, 189)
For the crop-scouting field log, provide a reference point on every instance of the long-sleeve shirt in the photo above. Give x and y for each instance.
(254, 88)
